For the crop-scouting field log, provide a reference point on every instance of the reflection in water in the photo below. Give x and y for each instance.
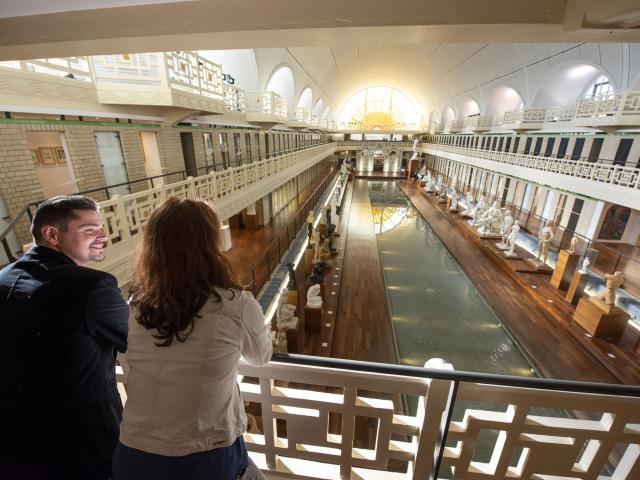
(436, 310)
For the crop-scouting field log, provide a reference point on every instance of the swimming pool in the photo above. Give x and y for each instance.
(435, 309)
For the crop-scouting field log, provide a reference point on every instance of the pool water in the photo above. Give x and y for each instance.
(435, 309)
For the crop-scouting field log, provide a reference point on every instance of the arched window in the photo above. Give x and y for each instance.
(379, 108)
(600, 86)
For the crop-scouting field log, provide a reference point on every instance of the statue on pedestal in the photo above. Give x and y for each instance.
(468, 209)
(454, 200)
(280, 345)
(314, 300)
(544, 240)
(415, 155)
(490, 219)
(505, 229)
(513, 236)
(310, 226)
(573, 243)
(317, 272)
(442, 195)
(585, 266)
(315, 238)
(608, 295)
(292, 285)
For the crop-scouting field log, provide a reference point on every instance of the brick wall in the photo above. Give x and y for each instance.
(19, 184)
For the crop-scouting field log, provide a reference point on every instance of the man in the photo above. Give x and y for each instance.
(60, 326)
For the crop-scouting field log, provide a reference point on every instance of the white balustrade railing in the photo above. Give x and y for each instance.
(301, 114)
(266, 102)
(124, 215)
(193, 73)
(306, 420)
(607, 173)
(234, 98)
(373, 144)
(145, 69)
(76, 68)
(564, 113)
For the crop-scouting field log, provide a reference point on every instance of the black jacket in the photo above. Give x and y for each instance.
(60, 327)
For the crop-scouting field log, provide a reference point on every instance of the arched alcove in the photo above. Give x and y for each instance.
(317, 108)
(469, 108)
(305, 99)
(448, 114)
(434, 117)
(503, 99)
(566, 84)
(283, 83)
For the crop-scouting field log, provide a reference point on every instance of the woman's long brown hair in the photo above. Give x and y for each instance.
(179, 267)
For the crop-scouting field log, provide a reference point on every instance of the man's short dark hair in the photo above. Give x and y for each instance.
(58, 211)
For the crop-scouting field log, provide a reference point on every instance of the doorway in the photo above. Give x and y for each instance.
(51, 160)
(112, 162)
(152, 162)
(188, 153)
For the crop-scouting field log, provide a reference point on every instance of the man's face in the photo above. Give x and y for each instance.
(84, 239)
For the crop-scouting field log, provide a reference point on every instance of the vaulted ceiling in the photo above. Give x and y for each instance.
(439, 53)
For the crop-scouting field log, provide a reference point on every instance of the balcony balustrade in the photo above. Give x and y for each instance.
(307, 416)
(179, 79)
(234, 99)
(76, 68)
(230, 190)
(266, 107)
(625, 179)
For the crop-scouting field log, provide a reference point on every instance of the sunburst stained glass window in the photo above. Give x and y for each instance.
(379, 108)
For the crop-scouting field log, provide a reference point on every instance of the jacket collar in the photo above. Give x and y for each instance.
(45, 253)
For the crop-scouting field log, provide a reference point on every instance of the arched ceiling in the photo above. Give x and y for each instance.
(438, 53)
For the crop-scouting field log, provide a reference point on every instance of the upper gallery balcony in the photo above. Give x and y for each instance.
(234, 100)
(175, 79)
(300, 119)
(479, 123)
(610, 111)
(266, 108)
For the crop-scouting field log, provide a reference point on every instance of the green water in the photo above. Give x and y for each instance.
(436, 310)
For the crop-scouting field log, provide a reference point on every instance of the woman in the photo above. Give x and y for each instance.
(189, 323)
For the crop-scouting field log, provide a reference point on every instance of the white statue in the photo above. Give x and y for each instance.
(608, 295)
(505, 230)
(415, 155)
(572, 244)
(314, 300)
(544, 240)
(280, 345)
(439, 183)
(454, 181)
(454, 200)
(585, 266)
(513, 236)
(468, 209)
(490, 219)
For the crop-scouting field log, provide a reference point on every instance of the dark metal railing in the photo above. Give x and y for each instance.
(257, 275)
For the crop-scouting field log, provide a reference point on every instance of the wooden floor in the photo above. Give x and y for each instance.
(557, 346)
(250, 247)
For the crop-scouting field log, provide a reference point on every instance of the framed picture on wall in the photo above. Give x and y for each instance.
(60, 155)
(47, 156)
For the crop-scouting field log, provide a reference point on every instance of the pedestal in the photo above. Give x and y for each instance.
(539, 265)
(292, 297)
(308, 261)
(565, 267)
(576, 287)
(448, 203)
(250, 222)
(226, 238)
(509, 255)
(313, 320)
(600, 319)
(414, 165)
